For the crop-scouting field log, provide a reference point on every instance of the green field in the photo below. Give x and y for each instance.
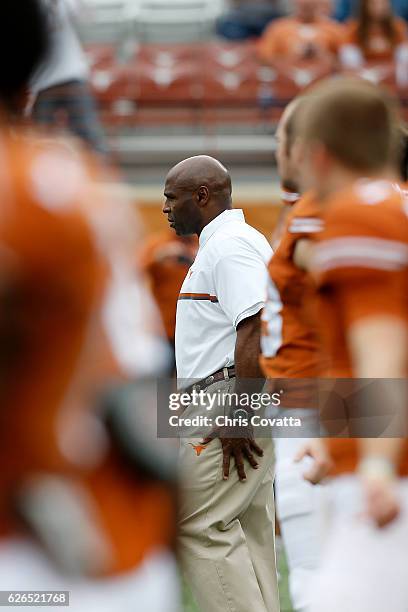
(190, 606)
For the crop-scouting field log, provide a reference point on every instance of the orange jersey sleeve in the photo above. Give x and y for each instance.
(362, 257)
(289, 342)
(270, 43)
(401, 30)
(305, 220)
(360, 264)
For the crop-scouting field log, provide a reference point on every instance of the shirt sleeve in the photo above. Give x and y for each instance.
(269, 43)
(304, 222)
(240, 279)
(305, 226)
(401, 30)
(361, 262)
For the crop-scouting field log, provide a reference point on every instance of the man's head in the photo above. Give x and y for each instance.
(347, 127)
(286, 142)
(23, 44)
(306, 10)
(197, 190)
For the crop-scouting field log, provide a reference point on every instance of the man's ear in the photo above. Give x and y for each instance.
(297, 153)
(322, 159)
(203, 195)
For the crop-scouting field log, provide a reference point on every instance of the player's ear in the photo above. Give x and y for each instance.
(321, 159)
(298, 152)
(203, 195)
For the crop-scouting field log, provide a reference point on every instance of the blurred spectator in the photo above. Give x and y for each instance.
(165, 260)
(348, 8)
(307, 36)
(60, 88)
(247, 19)
(376, 36)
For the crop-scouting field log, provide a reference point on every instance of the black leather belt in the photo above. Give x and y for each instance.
(224, 374)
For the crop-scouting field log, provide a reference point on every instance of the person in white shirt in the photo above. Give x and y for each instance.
(62, 98)
(226, 528)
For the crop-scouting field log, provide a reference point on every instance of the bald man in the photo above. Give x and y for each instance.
(226, 530)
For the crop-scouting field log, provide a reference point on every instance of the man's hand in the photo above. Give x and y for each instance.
(238, 448)
(322, 463)
(238, 442)
(382, 504)
(379, 481)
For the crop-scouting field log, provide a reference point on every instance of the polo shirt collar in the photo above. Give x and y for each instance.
(235, 214)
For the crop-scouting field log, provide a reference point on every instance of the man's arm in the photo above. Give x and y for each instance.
(378, 474)
(379, 350)
(378, 347)
(247, 348)
(246, 367)
(303, 253)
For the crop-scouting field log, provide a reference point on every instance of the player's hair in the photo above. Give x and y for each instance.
(355, 120)
(23, 44)
(402, 160)
(291, 122)
(364, 23)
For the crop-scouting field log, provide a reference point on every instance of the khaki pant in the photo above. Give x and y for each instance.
(226, 528)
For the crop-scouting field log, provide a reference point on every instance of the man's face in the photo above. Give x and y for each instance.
(181, 208)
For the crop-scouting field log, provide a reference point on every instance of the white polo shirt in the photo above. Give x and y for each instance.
(226, 284)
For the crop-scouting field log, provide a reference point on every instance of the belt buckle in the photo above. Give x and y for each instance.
(209, 380)
(226, 374)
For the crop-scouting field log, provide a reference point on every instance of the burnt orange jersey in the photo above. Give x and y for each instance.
(53, 279)
(289, 199)
(289, 341)
(362, 265)
(166, 259)
(292, 40)
(50, 278)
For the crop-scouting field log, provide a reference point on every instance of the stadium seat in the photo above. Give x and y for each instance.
(100, 56)
(115, 90)
(230, 87)
(166, 56)
(176, 20)
(230, 56)
(177, 11)
(107, 11)
(160, 85)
